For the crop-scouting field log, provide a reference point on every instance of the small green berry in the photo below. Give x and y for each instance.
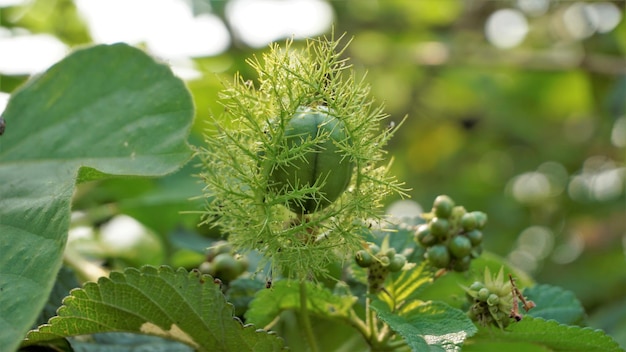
(374, 249)
(391, 252)
(397, 263)
(439, 227)
(226, 267)
(438, 256)
(483, 294)
(468, 222)
(384, 261)
(481, 219)
(363, 258)
(442, 207)
(493, 299)
(460, 246)
(477, 285)
(475, 237)
(424, 237)
(207, 268)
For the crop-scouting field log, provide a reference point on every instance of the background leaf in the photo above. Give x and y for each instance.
(107, 108)
(428, 323)
(285, 294)
(555, 303)
(182, 306)
(126, 342)
(536, 334)
(64, 283)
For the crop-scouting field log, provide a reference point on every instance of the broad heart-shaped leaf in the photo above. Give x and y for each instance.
(427, 326)
(182, 306)
(536, 334)
(555, 303)
(285, 294)
(101, 110)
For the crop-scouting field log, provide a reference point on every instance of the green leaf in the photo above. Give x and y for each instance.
(555, 303)
(64, 283)
(536, 334)
(126, 342)
(408, 284)
(285, 294)
(424, 324)
(186, 307)
(447, 287)
(105, 109)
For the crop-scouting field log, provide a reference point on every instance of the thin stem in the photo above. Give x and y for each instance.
(305, 319)
(358, 324)
(85, 270)
(370, 318)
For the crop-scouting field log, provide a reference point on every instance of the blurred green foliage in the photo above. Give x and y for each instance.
(530, 135)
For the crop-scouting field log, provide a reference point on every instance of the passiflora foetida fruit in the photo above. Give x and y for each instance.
(313, 138)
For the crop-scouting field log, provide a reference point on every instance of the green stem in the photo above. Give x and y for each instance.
(370, 318)
(85, 270)
(305, 319)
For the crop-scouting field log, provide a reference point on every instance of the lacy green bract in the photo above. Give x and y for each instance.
(245, 146)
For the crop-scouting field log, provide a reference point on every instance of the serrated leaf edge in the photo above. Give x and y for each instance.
(174, 333)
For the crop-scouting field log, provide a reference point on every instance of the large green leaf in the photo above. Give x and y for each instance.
(555, 303)
(536, 334)
(102, 110)
(285, 294)
(186, 307)
(427, 324)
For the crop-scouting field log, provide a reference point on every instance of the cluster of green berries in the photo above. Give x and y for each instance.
(222, 263)
(452, 236)
(379, 263)
(491, 301)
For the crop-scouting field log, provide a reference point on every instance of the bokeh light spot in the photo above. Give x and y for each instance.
(506, 28)
(618, 133)
(28, 54)
(259, 22)
(530, 187)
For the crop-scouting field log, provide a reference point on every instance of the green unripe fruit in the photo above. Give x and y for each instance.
(384, 261)
(481, 219)
(322, 164)
(218, 248)
(374, 249)
(363, 258)
(460, 246)
(442, 207)
(477, 285)
(243, 263)
(397, 263)
(391, 252)
(468, 222)
(483, 294)
(438, 256)
(475, 237)
(226, 267)
(439, 227)
(493, 299)
(424, 237)
(207, 268)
